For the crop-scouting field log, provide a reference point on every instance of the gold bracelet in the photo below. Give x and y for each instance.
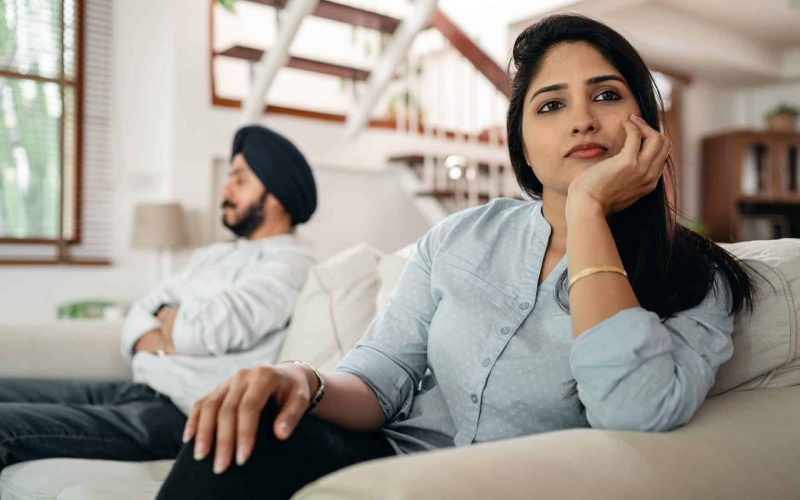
(594, 270)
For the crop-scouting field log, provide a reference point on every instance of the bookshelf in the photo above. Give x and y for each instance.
(751, 185)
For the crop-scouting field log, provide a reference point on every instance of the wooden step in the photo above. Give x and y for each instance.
(254, 55)
(450, 193)
(345, 14)
(416, 160)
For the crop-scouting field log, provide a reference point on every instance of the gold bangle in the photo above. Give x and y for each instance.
(594, 270)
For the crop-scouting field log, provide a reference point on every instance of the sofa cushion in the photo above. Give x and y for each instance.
(334, 308)
(765, 343)
(389, 270)
(122, 489)
(47, 479)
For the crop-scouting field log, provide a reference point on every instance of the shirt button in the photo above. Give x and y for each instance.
(524, 305)
(505, 330)
(486, 361)
(473, 398)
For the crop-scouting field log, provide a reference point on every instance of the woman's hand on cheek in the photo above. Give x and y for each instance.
(615, 183)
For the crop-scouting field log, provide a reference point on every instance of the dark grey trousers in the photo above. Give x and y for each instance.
(79, 419)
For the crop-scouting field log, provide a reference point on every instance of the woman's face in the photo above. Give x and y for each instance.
(573, 114)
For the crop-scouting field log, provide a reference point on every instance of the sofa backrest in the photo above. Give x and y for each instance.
(766, 352)
(344, 292)
(334, 308)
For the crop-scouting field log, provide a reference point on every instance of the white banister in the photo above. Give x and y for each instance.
(275, 58)
(382, 74)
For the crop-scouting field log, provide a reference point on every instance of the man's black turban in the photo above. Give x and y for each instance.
(281, 167)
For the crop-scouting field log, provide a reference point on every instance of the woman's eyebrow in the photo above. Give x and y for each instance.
(591, 81)
(604, 78)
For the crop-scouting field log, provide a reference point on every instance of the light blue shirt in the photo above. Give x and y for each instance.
(470, 348)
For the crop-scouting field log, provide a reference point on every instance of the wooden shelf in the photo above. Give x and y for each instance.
(748, 176)
(252, 54)
(345, 14)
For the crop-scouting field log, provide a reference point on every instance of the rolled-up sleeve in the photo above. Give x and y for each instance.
(392, 356)
(636, 373)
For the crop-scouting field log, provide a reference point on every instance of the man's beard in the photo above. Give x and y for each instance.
(252, 219)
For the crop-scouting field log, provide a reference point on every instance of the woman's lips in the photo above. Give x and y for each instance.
(588, 153)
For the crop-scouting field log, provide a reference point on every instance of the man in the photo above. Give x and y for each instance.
(226, 310)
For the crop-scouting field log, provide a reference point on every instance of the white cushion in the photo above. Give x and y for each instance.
(127, 489)
(334, 308)
(46, 479)
(389, 270)
(79, 349)
(766, 349)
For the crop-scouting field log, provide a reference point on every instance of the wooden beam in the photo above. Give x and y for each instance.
(254, 55)
(345, 14)
(474, 54)
(387, 123)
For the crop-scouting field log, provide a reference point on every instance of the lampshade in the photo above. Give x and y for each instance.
(159, 225)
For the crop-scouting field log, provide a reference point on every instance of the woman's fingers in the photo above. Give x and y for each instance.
(191, 423)
(293, 409)
(226, 423)
(653, 140)
(633, 141)
(655, 150)
(263, 382)
(207, 421)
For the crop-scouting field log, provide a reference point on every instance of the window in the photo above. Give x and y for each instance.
(40, 89)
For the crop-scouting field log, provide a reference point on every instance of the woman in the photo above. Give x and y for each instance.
(591, 285)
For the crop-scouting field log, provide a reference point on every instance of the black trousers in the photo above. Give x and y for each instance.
(276, 469)
(80, 419)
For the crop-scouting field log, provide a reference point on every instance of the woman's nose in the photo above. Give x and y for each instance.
(584, 121)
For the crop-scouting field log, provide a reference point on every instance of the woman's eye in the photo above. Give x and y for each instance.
(550, 106)
(607, 95)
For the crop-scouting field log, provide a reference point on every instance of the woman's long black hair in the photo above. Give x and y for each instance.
(670, 268)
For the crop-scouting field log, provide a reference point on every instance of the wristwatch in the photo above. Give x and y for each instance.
(162, 306)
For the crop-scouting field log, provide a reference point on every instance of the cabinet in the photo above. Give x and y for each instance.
(751, 185)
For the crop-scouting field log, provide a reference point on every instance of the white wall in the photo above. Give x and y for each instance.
(166, 136)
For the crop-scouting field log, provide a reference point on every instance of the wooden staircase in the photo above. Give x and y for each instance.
(445, 190)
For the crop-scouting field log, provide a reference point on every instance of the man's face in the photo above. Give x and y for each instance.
(243, 199)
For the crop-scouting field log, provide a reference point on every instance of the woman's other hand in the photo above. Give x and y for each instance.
(617, 182)
(231, 413)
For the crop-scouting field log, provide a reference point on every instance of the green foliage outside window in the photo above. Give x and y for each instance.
(37, 58)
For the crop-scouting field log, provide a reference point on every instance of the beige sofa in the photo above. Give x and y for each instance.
(744, 443)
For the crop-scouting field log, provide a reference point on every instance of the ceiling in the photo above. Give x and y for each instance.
(736, 42)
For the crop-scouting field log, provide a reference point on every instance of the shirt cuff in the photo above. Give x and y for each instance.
(391, 384)
(137, 323)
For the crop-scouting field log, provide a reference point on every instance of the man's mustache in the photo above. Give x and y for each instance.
(227, 204)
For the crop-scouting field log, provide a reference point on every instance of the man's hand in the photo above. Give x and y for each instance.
(167, 316)
(153, 341)
(149, 342)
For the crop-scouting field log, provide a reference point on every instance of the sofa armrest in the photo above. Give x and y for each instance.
(740, 445)
(79, 349)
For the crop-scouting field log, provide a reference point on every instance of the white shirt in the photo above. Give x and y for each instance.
(234, 301)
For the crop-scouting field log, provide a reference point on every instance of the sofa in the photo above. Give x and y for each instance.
(744, 442)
